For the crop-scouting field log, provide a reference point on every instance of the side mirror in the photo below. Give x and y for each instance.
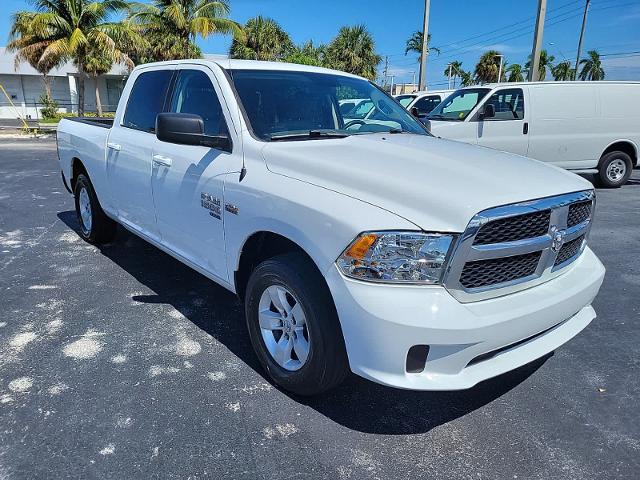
(415, 112)
(187, 129)
(489, 111)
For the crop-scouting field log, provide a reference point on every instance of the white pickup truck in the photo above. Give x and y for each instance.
(368, 246)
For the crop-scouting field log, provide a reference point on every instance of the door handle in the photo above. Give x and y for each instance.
(525, 128)
(162, 160)
(114, 146)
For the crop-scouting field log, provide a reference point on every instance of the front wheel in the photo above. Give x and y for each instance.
(293, 325)
(95, 226)
(615, 169)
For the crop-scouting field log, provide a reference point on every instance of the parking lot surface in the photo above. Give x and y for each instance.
(120, 362)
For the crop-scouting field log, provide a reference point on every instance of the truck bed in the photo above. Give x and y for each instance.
(97, 121)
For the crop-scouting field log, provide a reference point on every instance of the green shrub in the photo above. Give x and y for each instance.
(49, 107)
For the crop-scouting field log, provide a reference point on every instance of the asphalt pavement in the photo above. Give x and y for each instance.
(119, 362)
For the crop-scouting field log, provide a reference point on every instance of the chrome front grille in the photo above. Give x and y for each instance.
(513, 247)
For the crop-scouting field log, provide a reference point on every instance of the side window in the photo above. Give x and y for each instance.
(426, 104)
(509, 104)
(194, 93)
(146, 100)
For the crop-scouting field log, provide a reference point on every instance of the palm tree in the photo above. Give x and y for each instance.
(99, 62)
(563, 71)
(488, 67)
(515, 73)
(546, 61)
(29, 49)
(353, 51)
(592, 67)
(466, 78)
(68, 29)
(456, 68)
(185, 20)
(264, 39)
(414, 44)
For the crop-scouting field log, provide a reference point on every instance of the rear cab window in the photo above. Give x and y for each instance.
(146, 100)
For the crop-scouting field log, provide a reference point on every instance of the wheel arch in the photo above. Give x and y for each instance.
(77, 167)
(624, 145)
(262, 245)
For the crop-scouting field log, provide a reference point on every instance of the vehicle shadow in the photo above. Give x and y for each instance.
(357, 404)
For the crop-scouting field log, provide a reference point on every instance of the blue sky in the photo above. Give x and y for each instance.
(463, 29)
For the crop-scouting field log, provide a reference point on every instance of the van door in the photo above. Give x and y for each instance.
(508, 130)
(188, 180)
(129, 148)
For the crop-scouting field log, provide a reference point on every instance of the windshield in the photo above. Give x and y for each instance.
(405, 100)
(294, 105)
(458, 105)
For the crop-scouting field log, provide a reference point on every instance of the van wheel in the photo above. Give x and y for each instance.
(293, 325)
(615, 169)
(95, 226)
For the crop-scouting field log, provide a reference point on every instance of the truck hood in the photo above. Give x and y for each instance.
(437, 184)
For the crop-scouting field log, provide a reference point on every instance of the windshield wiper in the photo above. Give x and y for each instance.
(309, 134)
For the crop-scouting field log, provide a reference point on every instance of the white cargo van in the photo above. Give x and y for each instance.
(587, 127)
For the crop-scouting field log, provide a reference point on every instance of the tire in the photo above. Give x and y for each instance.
(312, 318)
(95, 226)
(615, 169)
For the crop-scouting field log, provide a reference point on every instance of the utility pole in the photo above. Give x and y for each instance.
(537, 41)
(392, 79)
(425, 48)
(449, 76)
(414, 79)
(584, 23)
(500, 68)
(385, 70)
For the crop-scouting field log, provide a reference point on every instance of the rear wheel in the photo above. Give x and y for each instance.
(294, 326)
(615, 169)
(95, 226)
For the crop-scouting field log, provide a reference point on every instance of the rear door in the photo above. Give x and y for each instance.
(509, 129)
(129, 150)
(188, 180)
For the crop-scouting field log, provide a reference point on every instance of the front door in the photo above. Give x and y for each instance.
(188, 180)
(129, 151)
(508, 129)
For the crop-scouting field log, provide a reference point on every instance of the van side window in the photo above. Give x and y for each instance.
(146, 100)
(426, 104)
(509, 104)
(194, 93)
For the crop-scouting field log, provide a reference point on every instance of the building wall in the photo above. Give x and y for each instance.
(25, 92)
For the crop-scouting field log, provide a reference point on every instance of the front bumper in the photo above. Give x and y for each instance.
(381, 323)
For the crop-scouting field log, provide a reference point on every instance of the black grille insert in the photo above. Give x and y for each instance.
(578, 213)
(515, 228)
(568, 250)
(482, 273)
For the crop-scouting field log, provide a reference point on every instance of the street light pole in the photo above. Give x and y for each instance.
(500, 68)
(537, 41)
(584, 23)
(425, 48)
(449, 76)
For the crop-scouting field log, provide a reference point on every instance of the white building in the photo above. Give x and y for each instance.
(24, 86)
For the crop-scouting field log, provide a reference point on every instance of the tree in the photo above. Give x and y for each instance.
(184, 20)
(308, 54)
(546, 61)
(456, 68)
(67, 29)
(563, 71)
(99, 62)
(264, 39)
(515, 73)
(488, 67)
(466, 78)
(592, 67)
(353, 51)
(414, 44)
(29, 48)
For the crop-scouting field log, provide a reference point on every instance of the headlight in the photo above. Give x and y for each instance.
(397, 257)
